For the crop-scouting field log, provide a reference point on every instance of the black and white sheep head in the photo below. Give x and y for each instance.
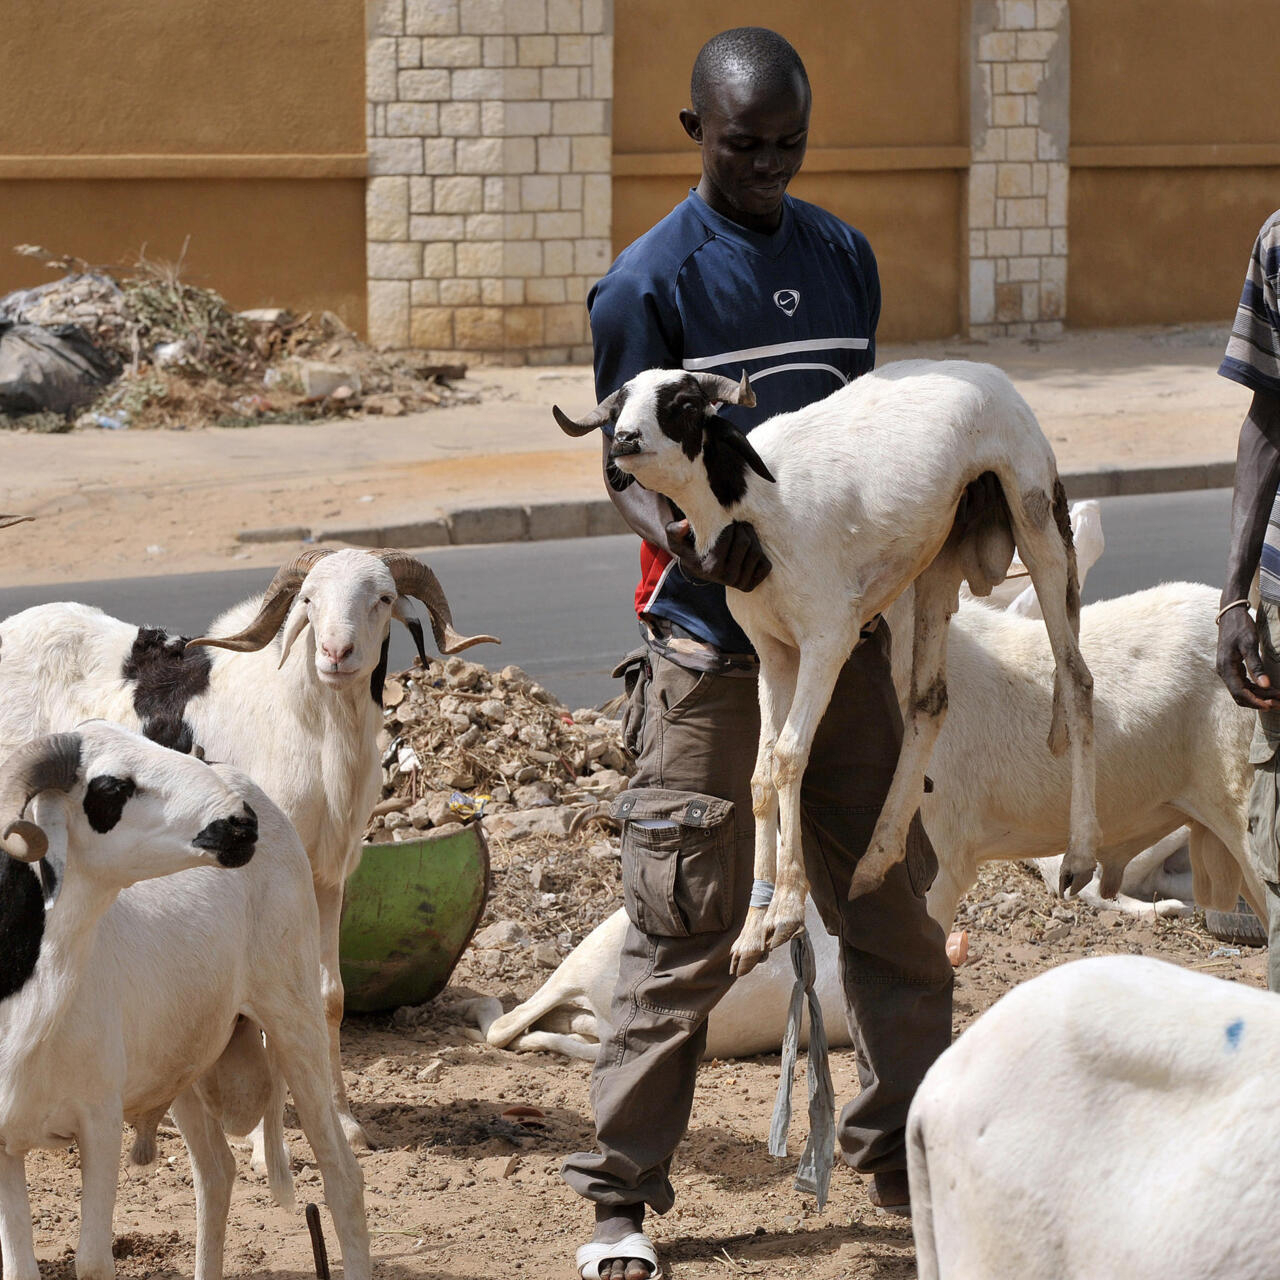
(667, 435)
(130, 809)
(348, 599)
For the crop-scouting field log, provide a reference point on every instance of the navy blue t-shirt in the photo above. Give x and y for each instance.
(796, 309)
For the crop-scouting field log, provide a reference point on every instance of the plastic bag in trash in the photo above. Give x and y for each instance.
(54, 370)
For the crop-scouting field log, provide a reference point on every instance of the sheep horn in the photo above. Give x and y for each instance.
(597, 417)
(51, 763)
(276, 603)
(6, 521)
(726, 390)
(413, 578)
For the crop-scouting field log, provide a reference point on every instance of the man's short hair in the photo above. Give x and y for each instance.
(752, 53)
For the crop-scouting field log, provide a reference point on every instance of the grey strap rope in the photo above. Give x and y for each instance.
(761, 893)
(813, 1174)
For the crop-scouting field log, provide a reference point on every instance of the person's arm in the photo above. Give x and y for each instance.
(1257, 477)
(630, 333)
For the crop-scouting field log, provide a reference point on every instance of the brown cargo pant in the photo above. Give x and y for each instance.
(687, 898)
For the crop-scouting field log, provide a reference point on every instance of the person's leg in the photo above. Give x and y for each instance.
(896, 975)
(686, 889)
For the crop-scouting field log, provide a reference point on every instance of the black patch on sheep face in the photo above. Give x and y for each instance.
(232, 840)
(166, 675)
(378, 677)
(21, 924)
(105, 798)
(680, 407)
(726, 469)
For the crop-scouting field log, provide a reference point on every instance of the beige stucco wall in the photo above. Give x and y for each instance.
(231, 125)
(1175, 156)
(889, 133)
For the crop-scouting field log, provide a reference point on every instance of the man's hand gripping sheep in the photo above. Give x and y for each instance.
(855, 498)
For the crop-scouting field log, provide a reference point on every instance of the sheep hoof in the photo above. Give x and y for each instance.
(750, 948)
(782, 922)
(866, 879)
(1074, 876)
(356, 1137)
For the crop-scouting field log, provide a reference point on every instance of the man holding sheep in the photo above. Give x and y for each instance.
(742, 276)
(1249, 652)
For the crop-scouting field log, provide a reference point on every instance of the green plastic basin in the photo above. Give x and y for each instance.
(408, 913)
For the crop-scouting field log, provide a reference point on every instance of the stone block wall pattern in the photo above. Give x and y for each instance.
(489, 194)
(1017, 182)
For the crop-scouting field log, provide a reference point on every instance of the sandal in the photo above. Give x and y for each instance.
(636, 1245)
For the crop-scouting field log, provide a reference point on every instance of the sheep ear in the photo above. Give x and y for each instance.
(297, 624)
(738, 442)
(590, 421)
(404, 612)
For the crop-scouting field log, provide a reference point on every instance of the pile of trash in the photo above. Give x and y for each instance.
(149, 349)
(463, 742)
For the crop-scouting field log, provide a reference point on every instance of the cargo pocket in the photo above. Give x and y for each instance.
(635, 673)
(922, 862)
(677, 861)
(1264, 851)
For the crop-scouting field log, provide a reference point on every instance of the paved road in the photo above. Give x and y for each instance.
(564, 608)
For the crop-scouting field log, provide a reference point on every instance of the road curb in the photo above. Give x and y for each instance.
(594, 517)
(468, 526)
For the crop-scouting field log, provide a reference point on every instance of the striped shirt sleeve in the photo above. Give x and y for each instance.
(1253, 350)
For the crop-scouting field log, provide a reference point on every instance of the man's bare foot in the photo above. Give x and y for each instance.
(615, 1222)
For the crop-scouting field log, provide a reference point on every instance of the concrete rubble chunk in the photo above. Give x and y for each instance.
(320, 379)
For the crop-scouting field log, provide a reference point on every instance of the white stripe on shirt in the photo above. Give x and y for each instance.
(657, 587)
(757, 374)
(777, 349)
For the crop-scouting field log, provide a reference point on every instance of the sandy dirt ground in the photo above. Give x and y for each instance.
(120, 504)
(458, 1191)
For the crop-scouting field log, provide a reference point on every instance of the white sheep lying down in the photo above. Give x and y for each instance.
(1109, 1118)
(854, 499)
(566, 1014)
(173, 916)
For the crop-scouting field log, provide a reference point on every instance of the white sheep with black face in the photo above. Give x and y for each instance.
(854, 498)
(128, 966)
(303, 721)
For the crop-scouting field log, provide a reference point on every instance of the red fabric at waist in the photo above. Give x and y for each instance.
(653, 564)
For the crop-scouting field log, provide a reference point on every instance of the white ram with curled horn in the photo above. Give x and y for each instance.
(303, 725)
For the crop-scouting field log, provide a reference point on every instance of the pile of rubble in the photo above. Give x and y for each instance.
(462, 741)
(185, 359)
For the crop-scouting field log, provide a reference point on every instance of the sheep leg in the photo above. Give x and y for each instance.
(778, 670)
(1049, 556)
(935, 593)
(17, 1243)
(299, 1049)
(950, 885)
(329, 900)
(99, 1143)
(213, 1172)
(820, 667)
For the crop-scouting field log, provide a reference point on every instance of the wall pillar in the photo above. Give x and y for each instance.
(1017, 190)
(489, 197)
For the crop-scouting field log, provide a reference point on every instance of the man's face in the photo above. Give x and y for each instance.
(753, 144)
